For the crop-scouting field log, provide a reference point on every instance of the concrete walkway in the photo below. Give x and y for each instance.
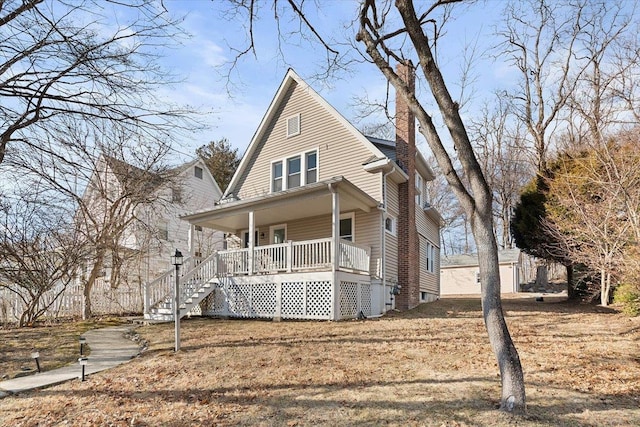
(109, 347)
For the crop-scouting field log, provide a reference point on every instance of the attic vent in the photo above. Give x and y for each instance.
(293, 125)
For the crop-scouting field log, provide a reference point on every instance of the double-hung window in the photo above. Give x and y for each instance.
(276, 173)
(294, 171)
(311, 161)
(431, 257)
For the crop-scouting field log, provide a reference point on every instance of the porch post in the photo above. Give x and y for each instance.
(252, 228)
(190, 239)
(335, 252)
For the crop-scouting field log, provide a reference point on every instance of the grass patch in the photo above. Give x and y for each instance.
(57, 343)
(429, 366)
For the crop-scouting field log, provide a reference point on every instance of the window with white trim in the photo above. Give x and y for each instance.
(311, 161)
(294, 171)
(419, 189)
(347, 226)
(293, 125)
(197, 172)
(431, 257)
(390, 224)
(276, 176)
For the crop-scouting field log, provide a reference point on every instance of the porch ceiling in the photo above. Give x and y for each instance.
(301, 202)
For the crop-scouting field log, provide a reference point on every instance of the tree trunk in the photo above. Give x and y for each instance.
(605, 286)
(571, 290)
(513, 398)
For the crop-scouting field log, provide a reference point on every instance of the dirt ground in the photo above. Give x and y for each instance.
(430, 366)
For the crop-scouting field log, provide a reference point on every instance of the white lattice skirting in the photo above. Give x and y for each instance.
(291, 296)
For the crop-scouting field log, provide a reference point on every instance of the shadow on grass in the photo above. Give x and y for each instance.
(320, 398)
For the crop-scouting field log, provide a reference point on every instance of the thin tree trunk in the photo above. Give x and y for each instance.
(513, 398)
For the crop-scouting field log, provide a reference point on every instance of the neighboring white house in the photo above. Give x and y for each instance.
(459, 274)
(151, 238)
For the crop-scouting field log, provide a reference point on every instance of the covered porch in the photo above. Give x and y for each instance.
(274, 273)
(268, 243)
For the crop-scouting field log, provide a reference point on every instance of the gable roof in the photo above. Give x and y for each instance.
(289, 79)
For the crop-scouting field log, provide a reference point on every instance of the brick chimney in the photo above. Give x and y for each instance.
(408, 243)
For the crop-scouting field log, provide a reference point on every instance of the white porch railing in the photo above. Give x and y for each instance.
(353, 256)
(309, 255)
(163, 285)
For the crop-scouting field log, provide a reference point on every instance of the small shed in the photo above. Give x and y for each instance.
(459, 274)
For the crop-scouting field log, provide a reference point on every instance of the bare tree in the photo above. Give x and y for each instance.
(107, 178)
(500, 145)
(39, 251)
(64, 58)
(539, 40)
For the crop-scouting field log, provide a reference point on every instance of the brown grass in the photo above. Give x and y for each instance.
(57, 343)
(431, 366)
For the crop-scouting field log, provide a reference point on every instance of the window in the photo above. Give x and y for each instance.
(293, 172)
(312, 167)
(163, 231)
(390, 225)
(197, 172)
(293, 125)
(419, 189)
(431, 257)
(276, 180)
(346, 227)
(245, 238)
(278, 234)
(176, 195)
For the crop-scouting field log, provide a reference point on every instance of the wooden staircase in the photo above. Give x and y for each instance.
(198, 281)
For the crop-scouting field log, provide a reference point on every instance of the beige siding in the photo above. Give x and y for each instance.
(427, 226)
(429, 282)
(367, 231)
(368, 227)
(391, 241)
(340, 153)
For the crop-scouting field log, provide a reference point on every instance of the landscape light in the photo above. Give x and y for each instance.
(36, 356)
(83, 362)
(82, 341)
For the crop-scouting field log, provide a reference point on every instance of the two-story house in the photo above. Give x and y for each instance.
(322, 222)
(131, 219)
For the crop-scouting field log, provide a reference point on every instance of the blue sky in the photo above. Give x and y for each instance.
(236, 106)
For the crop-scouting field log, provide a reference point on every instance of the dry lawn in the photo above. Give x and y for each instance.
(431, 366)
(56, 342)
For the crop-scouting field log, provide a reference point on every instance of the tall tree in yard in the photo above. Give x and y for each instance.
(221, 159)
(391, 34)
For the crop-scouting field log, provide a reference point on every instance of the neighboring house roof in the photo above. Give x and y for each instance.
(506, 256)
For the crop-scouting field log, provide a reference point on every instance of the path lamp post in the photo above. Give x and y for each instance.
(36, 356)
(176, 260)
(82, 341)
(83, 362)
